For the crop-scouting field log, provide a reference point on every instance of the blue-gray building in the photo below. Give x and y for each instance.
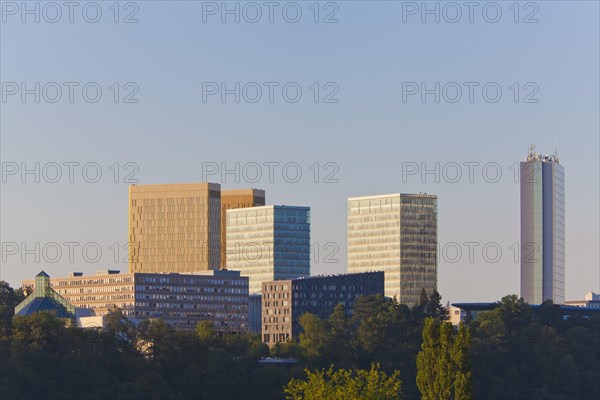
(284, 301)
(268, 243)
(542, 228)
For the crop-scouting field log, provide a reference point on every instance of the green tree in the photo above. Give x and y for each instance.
(9, 299)
(463, 377)
(373, 384)
(443, 365)
(205, 330)
(120, 329)
(339, 324)
(40, 330)
(314, 335)
(435, 309)
(157, 338)
(427, 360)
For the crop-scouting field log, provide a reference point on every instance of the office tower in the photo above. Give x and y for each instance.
(268, 243)
(174, 227)
(236, 198)
(542, 229)
(397, 234)
(285, 301)
(181, 300)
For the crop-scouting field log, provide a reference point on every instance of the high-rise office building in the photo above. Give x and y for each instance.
(542, 181)
(174, 227)
(236, 198)
(268, 243)
(397, 234)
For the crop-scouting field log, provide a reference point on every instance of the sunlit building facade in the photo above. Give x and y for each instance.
(396, 234)
(542, 181)
(181, 300)
(236, 198)
(268, 243)
(284, 301)
(174, 227)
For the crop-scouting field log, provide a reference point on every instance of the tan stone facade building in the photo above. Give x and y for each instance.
(174, 227)
(182, 227)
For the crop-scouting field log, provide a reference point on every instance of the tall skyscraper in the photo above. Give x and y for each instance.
(268, 243)
(236, 198)
(174, 227)
(397, 234)
(542, 228)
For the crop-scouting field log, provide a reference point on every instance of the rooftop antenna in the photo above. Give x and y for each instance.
(531, 154)
(555, 150)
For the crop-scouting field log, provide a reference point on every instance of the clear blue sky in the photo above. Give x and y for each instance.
(368, 134)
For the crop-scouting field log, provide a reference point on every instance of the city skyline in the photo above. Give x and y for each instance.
(300, 199)
(370, 135)
(94, 266)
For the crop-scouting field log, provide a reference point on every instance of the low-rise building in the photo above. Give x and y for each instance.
(182, 300)
(43, 298)
(591, 300)
(476, 309)
(284, 301)
(456, 315)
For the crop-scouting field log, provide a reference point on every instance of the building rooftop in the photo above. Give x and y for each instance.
(44, 298)
(237, 192)
(233, 210)
(566, 309)
(45, 304)
(174, 187)
(382, 196)
(532, 156)
(334, 275)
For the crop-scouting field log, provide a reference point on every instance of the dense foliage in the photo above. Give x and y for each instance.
(520, 353)
(346, 384)
(443, 364)
(514, 353)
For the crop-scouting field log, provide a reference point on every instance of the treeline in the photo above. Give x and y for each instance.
(511, 352)
(514, 351)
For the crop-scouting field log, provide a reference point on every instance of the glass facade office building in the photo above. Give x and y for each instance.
(396, 234)
(268, 243)
(236, 198)
(542, 181)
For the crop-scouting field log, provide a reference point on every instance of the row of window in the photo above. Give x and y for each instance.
(155, 296)
(187, 289)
